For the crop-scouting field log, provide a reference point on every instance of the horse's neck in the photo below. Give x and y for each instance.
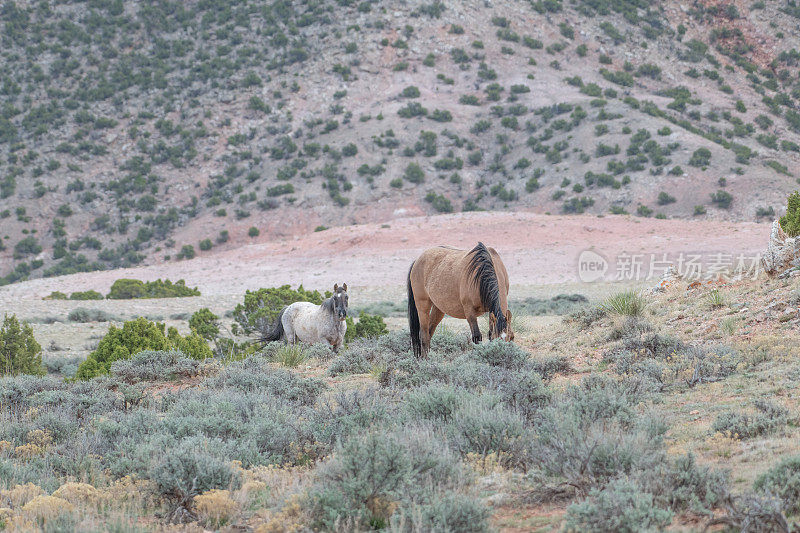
(328, 322)
(327, 311)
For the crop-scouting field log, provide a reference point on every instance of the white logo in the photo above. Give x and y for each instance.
(591, 266)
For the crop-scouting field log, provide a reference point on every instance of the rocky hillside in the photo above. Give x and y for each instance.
(155, 130)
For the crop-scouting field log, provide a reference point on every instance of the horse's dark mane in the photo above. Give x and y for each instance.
(481, 268)
(328, 305)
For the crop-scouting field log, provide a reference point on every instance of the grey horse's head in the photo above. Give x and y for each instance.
(340, 300)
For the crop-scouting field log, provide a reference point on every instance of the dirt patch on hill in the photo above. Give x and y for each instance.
(537, 250)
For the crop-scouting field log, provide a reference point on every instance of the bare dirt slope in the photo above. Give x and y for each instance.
(537, 250)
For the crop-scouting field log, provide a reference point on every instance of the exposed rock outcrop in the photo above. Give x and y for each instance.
(782, 253)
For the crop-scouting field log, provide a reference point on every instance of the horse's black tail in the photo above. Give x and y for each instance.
(413, 318)
(275, 333)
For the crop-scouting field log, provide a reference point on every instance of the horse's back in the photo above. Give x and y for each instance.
(297, 314)
(446, 275)
(300, 321)
(439, 261)
(299, 308)
(436, 275)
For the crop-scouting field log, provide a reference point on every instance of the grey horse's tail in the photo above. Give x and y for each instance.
(275, 333)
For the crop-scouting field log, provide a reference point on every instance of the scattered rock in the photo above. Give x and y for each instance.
(670, 276)
(782, 251)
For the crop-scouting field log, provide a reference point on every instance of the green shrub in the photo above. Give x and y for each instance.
(367, 326)
(372, 470)
(450, 512)
(56, 295)
(135, 336)
(19, 351)
(550, 365)
(621, 506)
(783, 481)
(27, 246)
(204, 323)
(290, 355)
(481, 426)
(592, 434)
(351, 361)
(439, 202)
(258, 104)
(187, 252)
(262, 307)
(625, 303)
(155, 366)
(83, 315)
(206, 244)
(716, 299)
(410, 92)
(790, 222)
(619, 77)
(126, 289)
(767, 418)
(435, 402)
(762, 212)
(189, 469)
(349, 150)
(277, 190)
(86, 295)
(413, 109)
(414, 173)
(700, 158)
(665, 198)
(500, 353)
(722, 199)
(441, 115)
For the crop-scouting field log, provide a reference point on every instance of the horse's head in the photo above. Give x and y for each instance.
(340, 300)
(501, 329)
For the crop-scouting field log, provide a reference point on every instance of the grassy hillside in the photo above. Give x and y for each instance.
(148, 131)
(659, 411)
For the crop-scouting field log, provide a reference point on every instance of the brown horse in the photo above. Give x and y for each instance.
(459, 283)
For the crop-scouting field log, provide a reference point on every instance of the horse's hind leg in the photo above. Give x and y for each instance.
(425, 331)
(288, 333)
(436, 316)
(473, 326)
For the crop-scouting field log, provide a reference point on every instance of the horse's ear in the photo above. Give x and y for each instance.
(335, 287)
(492, 321)
(508, 315)
(344, 286)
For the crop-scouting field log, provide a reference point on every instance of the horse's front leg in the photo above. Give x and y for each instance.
(473, 326)
(337, 342)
